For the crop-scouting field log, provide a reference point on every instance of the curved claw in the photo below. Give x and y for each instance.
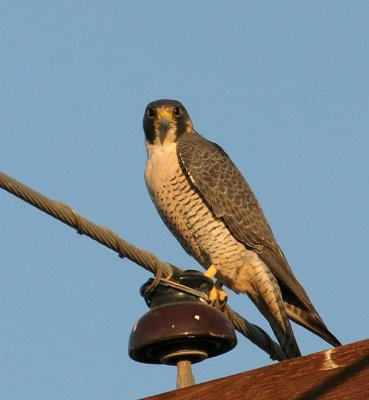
(217, 295)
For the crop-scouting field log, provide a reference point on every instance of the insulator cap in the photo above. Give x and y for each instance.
(179, 326)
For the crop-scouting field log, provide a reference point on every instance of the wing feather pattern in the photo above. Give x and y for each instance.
(230, 198)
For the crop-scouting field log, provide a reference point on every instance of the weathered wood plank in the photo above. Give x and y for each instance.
(338, 373)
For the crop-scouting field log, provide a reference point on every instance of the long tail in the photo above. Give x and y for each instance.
(267, 297)
(312, 322)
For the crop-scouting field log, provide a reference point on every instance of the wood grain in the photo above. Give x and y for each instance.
(338, 373)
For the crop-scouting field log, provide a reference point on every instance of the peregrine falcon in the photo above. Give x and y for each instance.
(211, 210)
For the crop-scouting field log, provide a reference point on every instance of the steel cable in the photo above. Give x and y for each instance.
(141, 257)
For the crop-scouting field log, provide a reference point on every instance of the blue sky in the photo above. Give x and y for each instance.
(281, 86)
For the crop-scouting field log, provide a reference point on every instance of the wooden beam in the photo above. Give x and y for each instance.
(338, 373)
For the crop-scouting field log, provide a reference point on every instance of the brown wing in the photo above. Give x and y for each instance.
(230, 198)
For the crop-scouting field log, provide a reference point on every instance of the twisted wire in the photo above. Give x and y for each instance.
(101, 234)
(162, 271)
(255, 334)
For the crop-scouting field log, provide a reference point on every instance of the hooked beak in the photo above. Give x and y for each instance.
(165, 121)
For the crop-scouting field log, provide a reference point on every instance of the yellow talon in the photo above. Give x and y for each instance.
(217, 294)
(222, 294)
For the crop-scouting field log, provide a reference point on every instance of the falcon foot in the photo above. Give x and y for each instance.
(217, 294)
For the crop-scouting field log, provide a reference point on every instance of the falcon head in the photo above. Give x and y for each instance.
(165, 121)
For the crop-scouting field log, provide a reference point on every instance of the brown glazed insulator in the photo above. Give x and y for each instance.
(180, 326)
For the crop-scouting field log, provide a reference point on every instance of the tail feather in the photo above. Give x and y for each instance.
(312, 322)
(267, 297)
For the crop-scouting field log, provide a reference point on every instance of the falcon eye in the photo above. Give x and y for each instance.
(150, 112)
(177, 111)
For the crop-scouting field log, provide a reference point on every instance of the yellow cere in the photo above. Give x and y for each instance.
(164, 112)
